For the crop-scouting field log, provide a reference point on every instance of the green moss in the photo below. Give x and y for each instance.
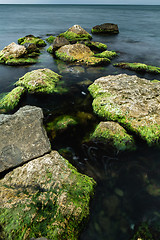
(95, 61)
(33, 54)
(45, 215)
(101, 30)
(41, 80)
(31, 39)
(20, 61)
(50, 39)
(50, 49)
(64, 57)
(73, 37)
(143, 233)
(11, 100)
(106, 54)
(61, 123)
(96, 45)
(139, 67)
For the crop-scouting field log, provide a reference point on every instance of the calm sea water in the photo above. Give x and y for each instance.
(128, 186)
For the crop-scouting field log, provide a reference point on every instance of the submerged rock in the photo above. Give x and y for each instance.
(39, 81)
(14, 54)
(106, 54)
(76, 33)
(11, 100)
(139, 67)
(95, 45)
(32, 39)
(131, 101)
(45, 197)
(79, 53)
(114, 136)
(22, 137)
(108, 28)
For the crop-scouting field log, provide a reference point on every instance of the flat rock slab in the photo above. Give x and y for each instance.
(22, 137)
(131, 101)
(45, 197)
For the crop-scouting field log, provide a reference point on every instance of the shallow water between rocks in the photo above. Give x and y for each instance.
(128, 185)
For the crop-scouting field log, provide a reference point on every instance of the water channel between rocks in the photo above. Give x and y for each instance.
(127, 191)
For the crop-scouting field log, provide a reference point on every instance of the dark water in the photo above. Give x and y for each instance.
(128, 189)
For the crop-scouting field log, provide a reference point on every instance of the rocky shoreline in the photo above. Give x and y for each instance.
(43, 195)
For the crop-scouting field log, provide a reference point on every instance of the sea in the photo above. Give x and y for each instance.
(128, 185)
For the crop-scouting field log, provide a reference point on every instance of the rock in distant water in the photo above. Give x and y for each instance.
(108, 28)
(45, 197)
(131, 101)
(22, 137)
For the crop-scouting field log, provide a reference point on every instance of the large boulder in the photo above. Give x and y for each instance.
(105, 28)
(32, 39)
(13, 50)
(131, 101)
(76, 33)
(45, 197)
(40, 80)
(22, 137)
(79, 53)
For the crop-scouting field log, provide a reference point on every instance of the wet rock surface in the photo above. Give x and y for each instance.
(105, 28)
(22, 137)
(131, 101)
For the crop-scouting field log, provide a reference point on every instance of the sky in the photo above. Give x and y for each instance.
(145, 2)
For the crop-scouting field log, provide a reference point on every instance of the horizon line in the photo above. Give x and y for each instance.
(124, 4)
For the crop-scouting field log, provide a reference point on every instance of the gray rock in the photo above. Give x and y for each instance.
(106, 28)
(22, 137)
(59, 42)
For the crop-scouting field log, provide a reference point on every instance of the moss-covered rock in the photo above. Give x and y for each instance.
(21, 61)
(50, 49)
(105, 28)
(11, 100)
(45, 197)
(106, 54)
(146, 232)
(50, 39)
(140, 67)
(131, 101)
(96, 45)
(113, 135)
(32, 39)
(76, 33)
(41, 80)
(79, 53)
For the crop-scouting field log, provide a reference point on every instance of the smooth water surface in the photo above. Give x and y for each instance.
(128, 186)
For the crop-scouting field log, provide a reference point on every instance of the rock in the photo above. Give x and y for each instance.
(95, 45)
(11, 100)
(108, 28)
(131, 101)
(139, 67)
(114, 136)
(31, 47)
(39, 81)
(50, 39)
(106, 54)
(13, 50)
(79, 53)
(45, 197)
(76, 33)
(32, 39)
(59, 42)
(63, 67)
(22, 137)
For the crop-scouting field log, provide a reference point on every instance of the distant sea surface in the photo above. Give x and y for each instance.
(122, 200)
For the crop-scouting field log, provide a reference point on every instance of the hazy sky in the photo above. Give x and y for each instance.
(150, 2)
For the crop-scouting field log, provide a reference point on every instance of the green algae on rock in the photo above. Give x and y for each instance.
(40, 80)
(146, 232)
(11, 100)
(55, 205)
(79, 53)
(32, 39)
(105, 28)
(106, 54)
(96, 45)
(114, 135)
(140, 67)
(131, 101)
(76, 33)
(21, 61)
(50, 39)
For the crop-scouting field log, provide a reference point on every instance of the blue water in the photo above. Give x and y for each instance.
(122, 199)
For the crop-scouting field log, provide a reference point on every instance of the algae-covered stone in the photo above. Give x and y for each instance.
(11, 100)
(146, 232)
(50, 39)
(45, 197)
(76, 33)
(22, 137)
(131, 101)
(96, 45)
(140, 67)
(32, 39)
(106, 54)
(114, 135)
(21, 61)
(105, 28)
(40, 80)
(79, 53)
(13, 50)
